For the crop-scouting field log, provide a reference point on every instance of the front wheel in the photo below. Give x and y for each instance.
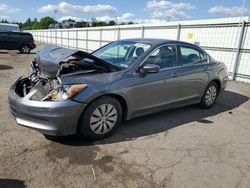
(100, 118)
(210, 95)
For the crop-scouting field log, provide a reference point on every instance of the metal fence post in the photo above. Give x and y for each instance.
(100, 37)
(56, 36)
(87, 36)
(178, 32)
(238, 52)
(68, 38)
(142, 31)
(118, 33)
(77, 39)
(51, 36)
(61, 37)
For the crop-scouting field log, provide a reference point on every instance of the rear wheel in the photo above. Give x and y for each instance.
(25, 49)
(100, 118)
(210, 95)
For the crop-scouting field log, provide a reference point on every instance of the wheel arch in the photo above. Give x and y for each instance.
(118, 97)
(122, 101)
(25, 43)
(217, 81)
(22, 44)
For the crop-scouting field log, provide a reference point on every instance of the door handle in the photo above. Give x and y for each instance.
(207, 68)
(175, 74)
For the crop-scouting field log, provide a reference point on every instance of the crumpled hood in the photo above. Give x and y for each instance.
(48, 59)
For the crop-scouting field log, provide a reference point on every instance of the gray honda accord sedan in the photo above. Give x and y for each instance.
(71, 91)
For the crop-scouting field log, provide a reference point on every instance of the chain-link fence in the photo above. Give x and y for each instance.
(226, 40)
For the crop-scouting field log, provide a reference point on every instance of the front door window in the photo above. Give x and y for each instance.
(164, 57)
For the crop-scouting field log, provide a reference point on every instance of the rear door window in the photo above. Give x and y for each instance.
(192, 56)
(3, 36)
(14, 36)
(27, 37)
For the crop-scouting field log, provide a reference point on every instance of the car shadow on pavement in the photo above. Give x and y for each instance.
(19, 53)
(163, 121)
(5, 67)
(11, 183)
(3, 52)
(15, 52)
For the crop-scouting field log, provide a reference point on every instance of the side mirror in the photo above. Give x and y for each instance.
(89, 60)
(150, 68)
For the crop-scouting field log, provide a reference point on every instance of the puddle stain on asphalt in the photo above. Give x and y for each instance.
(90, 155)
(83, 155)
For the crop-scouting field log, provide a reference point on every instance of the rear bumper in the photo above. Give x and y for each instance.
(51, 118)
(33, 46)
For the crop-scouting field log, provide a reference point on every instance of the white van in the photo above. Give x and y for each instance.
(9, 27)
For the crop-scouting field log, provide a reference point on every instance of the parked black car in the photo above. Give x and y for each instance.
(21, 41)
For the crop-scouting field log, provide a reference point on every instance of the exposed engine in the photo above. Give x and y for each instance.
(42, 88)
(50, 65)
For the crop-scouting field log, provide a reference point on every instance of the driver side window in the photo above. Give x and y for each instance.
(164, 57)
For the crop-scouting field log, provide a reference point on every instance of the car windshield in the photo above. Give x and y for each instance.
(122, 54)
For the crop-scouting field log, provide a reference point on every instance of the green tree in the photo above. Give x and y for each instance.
(4, 21)
(111, 22)
(27, 24)
(82, 24)
(46, 21)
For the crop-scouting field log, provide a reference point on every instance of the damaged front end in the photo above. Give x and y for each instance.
(39, 88)
(47, 90)
(41, 101)
(44, 83)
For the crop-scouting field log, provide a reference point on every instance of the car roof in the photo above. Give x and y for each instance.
(16, 32)
(156, 41)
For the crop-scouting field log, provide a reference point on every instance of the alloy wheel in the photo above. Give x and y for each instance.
(103, 119)
(211, 95)
(25, 49)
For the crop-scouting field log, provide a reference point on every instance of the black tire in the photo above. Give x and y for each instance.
(25, 49)
(209, 89)
(90, 123)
